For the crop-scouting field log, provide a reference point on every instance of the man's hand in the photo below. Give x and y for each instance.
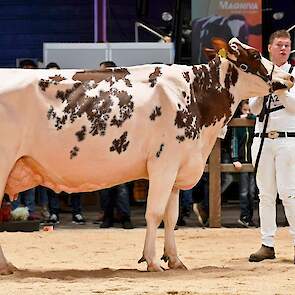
(238, 165)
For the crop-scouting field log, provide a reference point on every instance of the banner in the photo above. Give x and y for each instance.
(225, 19)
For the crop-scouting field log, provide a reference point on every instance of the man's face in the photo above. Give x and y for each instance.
(279, 50)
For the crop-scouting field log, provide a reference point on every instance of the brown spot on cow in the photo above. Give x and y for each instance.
(121, 144)
(44, 84)
(180, 138)
(186, 76)
(110, 75)
(156, 113)
(57, 78)
(154, 76)
(160, 150)
(74, 152)
(126, 107)
(203, 109)
(231, 76)
(81, 133)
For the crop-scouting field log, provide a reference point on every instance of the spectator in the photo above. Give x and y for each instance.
(201, 200)
(52, 65)
(54, 208)
(241, 141)
(28, 64)
(185, 206)
(28, 199)
(107, 64)
(116, 197)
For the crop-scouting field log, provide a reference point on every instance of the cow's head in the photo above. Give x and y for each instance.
(261, 75)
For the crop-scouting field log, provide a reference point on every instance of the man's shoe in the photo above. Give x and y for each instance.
(107, 223)
(243, 223)
(127, 224)
(264, 252)
(78, 219)
(53, 219)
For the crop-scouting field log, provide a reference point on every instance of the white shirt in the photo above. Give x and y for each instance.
(279, 120)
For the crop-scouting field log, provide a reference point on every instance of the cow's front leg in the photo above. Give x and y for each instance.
(170, 219)
(6, 164)
(6, 268)
(160, 186)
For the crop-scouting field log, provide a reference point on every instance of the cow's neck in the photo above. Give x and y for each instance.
(211, 99)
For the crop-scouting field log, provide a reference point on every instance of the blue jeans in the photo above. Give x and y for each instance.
(186, 200)
(201, 192)
(115, 197)
(247, 190)
(42, 195)
(54, 203)
(28, 198)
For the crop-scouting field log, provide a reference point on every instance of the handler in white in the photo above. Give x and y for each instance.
(276, 170)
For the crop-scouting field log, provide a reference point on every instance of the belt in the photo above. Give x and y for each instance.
(275, 134)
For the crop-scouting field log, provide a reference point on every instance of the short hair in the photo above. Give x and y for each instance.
(279, 34)
(52, 65)
(108, 64)
(25, 63)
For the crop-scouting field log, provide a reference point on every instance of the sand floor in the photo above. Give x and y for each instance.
(97, 261)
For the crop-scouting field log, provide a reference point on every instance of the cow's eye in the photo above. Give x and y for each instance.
(256, 56)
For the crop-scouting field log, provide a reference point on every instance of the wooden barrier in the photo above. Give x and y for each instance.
(215, 168)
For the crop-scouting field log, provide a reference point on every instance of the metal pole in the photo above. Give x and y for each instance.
(100, 20)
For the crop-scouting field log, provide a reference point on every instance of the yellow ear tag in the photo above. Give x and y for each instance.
(222, 53)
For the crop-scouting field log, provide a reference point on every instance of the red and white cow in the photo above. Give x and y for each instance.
(80, 131)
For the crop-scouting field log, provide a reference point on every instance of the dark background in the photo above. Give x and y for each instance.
(26, 24)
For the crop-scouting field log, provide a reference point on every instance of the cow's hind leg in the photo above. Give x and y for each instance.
(170, 219)
(160, 186)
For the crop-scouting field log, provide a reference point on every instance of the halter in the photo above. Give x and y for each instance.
(243, 67)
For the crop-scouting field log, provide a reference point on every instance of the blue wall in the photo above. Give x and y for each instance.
(26, 24)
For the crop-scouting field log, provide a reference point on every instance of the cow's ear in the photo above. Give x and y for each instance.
(220, 44)
(209, 53)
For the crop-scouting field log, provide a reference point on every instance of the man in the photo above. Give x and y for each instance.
(276, 169)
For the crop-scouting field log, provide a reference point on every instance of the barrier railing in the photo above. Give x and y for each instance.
(215, 168)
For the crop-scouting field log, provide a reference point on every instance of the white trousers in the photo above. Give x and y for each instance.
(276, 174)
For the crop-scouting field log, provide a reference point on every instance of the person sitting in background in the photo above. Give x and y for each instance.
(241, 141)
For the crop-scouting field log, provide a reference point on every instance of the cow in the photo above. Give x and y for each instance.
(75, 130)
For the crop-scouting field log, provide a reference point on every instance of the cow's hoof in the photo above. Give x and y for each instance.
(176, 265)
(154, 267)
(7, 269)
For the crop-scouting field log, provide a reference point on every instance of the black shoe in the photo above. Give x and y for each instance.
(53, 218)
(106, 223)
(181, 221)
(127, 224)
(78, 219)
